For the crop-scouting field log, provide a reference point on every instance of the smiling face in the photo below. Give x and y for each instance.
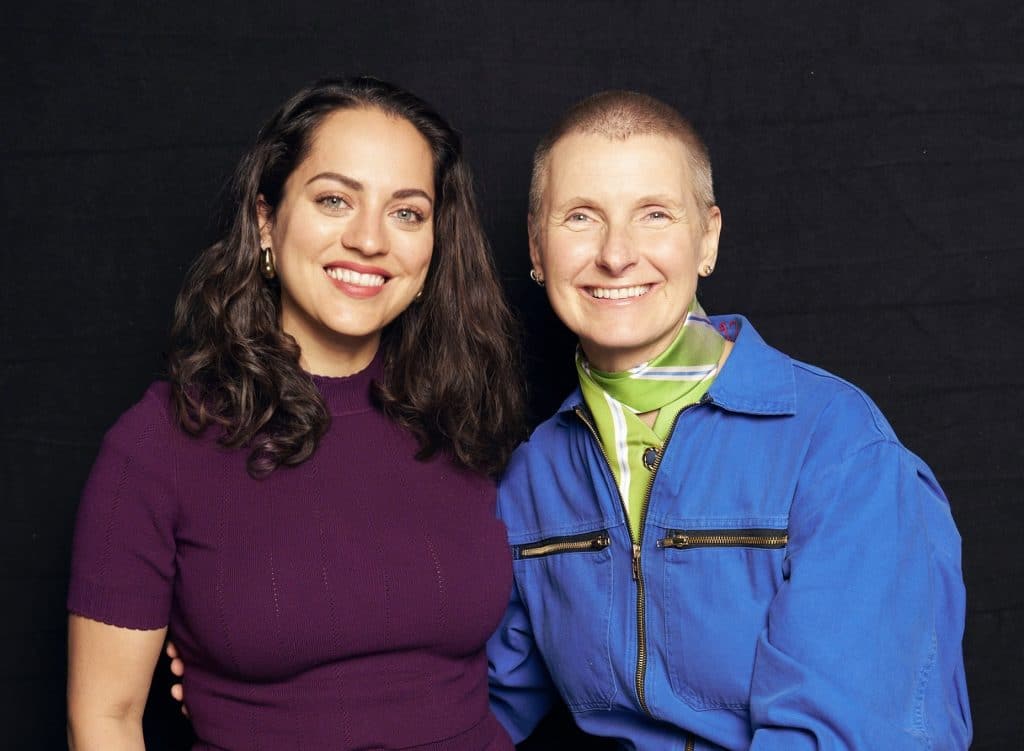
(619, 242)
(352, 236)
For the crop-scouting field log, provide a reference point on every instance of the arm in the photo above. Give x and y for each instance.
(863, 641)
(122, 572)
(109, 673)
(521, 690)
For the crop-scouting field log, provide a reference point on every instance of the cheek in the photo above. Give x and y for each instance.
(304, 235)
(683, 280)
(565, 258)
(678, 260)
(418, 251)
(568, 306)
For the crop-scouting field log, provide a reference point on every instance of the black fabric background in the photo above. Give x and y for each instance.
(867, 161)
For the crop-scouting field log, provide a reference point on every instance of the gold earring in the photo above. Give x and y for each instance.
(707, 269)
(267, 263)
(537, 277)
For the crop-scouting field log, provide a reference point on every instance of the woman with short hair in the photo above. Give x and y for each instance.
(714, 545)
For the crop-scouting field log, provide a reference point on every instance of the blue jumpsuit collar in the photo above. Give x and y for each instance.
(757, 379)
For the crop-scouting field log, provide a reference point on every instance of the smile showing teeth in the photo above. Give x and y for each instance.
(354, 277)
(618, 293)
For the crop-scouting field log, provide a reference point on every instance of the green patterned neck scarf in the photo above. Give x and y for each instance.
(676, 378)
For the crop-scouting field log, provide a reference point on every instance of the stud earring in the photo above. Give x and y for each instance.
(267, 263)
(537, 277)
(708, 268)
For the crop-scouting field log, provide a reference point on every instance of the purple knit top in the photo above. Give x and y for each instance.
(340, 604)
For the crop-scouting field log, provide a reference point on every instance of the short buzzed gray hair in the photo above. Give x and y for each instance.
(618, 115)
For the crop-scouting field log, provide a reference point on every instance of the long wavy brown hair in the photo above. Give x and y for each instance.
(452, 371)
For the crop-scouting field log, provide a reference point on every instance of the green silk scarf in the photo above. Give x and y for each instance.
(675, 379)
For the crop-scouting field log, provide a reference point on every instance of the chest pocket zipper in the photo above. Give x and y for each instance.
(681, 539)
(585, 543)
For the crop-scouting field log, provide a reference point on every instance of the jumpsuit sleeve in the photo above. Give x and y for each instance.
(862, 645)
(521, 689)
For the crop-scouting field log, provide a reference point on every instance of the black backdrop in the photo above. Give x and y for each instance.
(867, 160)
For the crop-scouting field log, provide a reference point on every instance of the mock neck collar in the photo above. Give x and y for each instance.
(348, 394)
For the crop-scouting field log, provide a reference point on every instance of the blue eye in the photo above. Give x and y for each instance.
(410, 216)
(332, 202)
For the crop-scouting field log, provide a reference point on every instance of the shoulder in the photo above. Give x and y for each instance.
(154, 411)
(835, 404)
(144, 436)
(548, 438)
(821, 413)
(846, 457)
(835, 426)
(761, 379)
(853, 452)
(545, 463)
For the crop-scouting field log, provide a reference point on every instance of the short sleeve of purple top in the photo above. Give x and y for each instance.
(343, 603)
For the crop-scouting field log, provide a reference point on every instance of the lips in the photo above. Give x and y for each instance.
(619, 293)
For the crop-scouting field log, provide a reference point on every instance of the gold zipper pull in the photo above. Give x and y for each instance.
(674, 541)
(636, 562)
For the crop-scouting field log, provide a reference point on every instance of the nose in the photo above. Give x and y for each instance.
(365, 233)
(618, 252)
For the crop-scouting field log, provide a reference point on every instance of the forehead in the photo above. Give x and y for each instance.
(368, 144)
(591, 164)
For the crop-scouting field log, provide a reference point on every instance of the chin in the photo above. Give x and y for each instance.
(619, 344)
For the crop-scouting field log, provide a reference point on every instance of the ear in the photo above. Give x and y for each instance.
(709, 240)
(534, 234)
(265, 215)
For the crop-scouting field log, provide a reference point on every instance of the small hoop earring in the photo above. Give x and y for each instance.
(267, 263)
(419, 295)
(537, 277)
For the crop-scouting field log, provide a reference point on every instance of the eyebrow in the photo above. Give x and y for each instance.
(572, 203)
(663, 199)
(358, 186)
(412, 193)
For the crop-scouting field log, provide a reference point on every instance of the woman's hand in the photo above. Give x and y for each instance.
(178, 669)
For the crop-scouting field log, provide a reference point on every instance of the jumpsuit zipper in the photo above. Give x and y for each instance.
(638, 577)
(584, 543)
(681, 539)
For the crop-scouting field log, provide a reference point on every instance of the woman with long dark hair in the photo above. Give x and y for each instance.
(308, 505)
